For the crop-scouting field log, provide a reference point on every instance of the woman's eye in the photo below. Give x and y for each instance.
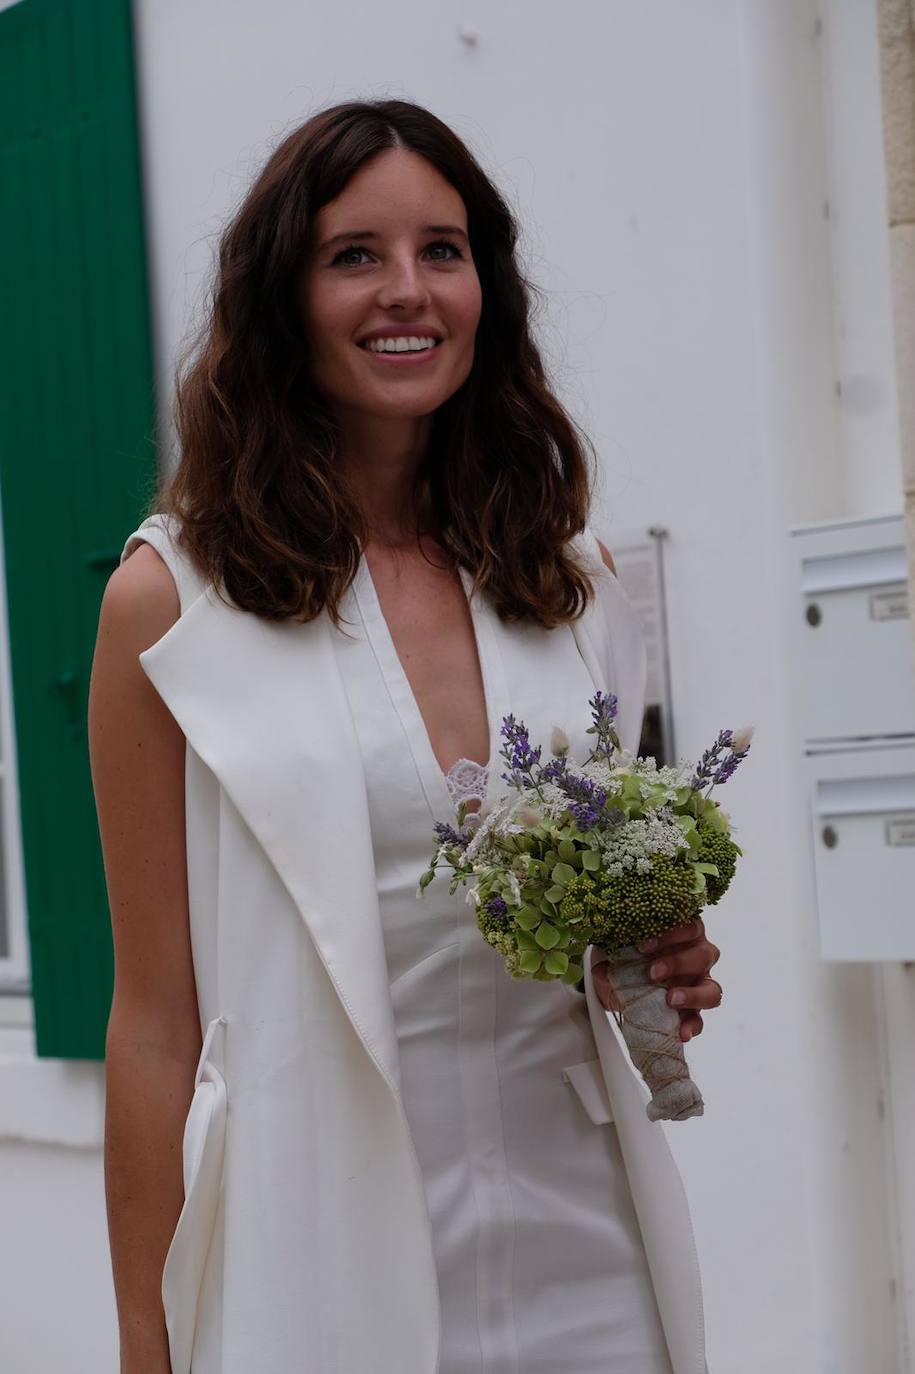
(357, 248)
(446, 243)
(353, 248)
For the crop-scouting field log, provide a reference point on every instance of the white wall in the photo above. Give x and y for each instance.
(56, 1297)
(857, 196)
(669, 164)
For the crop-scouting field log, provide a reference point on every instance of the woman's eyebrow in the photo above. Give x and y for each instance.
(371, 234)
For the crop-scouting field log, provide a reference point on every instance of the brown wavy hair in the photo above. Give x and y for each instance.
(504, 483)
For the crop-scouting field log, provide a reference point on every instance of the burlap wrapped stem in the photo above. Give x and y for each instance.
(651, 1030)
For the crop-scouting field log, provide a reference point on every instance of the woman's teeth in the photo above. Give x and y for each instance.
(403, 345)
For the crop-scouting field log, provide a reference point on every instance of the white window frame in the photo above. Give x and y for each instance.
(15, 967)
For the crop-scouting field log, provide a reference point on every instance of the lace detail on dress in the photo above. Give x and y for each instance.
(467, 779)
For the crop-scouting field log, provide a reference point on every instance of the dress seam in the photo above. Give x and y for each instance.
(511, 1198)
(473, 1181)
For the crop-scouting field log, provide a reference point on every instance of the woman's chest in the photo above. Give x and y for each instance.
(534, 674)
(424, 612)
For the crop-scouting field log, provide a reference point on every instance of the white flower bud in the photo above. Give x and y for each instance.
(740, 742)
(559, 742)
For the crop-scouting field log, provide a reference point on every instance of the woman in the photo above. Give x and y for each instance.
(384, 1163)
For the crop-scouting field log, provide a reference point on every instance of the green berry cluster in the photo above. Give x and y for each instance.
(499, 932)
(718, 849)
(620, 911)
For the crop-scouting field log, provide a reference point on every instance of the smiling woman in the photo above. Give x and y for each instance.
(363, 305)
(394, 1156)
(374, 221)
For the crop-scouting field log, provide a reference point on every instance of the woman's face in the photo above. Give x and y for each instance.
(391, 258)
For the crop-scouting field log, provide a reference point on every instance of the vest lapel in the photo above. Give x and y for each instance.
(617, 663)
(263, 705)
(658, 1196)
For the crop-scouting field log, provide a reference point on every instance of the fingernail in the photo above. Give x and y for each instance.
(658, 970)
(647, 946)
(677, 999)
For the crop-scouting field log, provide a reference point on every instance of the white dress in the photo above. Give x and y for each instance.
(540, 1260)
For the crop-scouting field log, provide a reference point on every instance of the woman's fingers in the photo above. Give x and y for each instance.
(690, 1024)
(704, 994)
(690, 961)
(690, 1019)
(677, 935)
(682, 960)
(681, 964)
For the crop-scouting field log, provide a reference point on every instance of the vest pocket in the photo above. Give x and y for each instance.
(203, 1149)
(588, 1081)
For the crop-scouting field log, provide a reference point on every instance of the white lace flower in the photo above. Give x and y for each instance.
(672, 777)
(631, 846)
(604, 774)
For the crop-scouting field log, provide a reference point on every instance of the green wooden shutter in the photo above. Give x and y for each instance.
(77, 455)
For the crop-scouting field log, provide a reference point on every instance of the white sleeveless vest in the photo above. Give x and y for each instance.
(304, 1242)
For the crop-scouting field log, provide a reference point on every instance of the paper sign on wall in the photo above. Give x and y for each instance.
(639, 559)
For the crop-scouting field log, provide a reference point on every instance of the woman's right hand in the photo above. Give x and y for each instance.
(689, 956)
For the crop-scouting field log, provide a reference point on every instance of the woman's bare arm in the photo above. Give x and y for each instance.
(153, 1041)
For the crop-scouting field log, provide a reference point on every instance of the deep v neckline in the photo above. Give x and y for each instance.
(432, 775)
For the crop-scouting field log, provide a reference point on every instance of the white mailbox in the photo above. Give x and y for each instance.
(857, 660)
(863, 808)
(857, 693)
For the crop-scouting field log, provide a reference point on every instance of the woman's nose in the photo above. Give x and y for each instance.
(404, 284)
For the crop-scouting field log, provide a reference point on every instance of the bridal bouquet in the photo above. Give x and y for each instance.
(609, 853)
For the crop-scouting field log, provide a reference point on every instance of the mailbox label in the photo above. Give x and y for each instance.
(901, 831)
(892, 604)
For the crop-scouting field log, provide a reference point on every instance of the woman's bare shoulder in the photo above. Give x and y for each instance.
(140, 601)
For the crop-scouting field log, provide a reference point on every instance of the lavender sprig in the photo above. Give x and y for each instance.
(719, 763)
(447, 834)
(603, 712)
(519, 756)
(522, 759)
(587, 797)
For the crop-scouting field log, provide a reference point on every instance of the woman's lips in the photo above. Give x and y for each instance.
(402, 359)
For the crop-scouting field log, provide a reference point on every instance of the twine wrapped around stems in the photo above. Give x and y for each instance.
(651, 1030)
